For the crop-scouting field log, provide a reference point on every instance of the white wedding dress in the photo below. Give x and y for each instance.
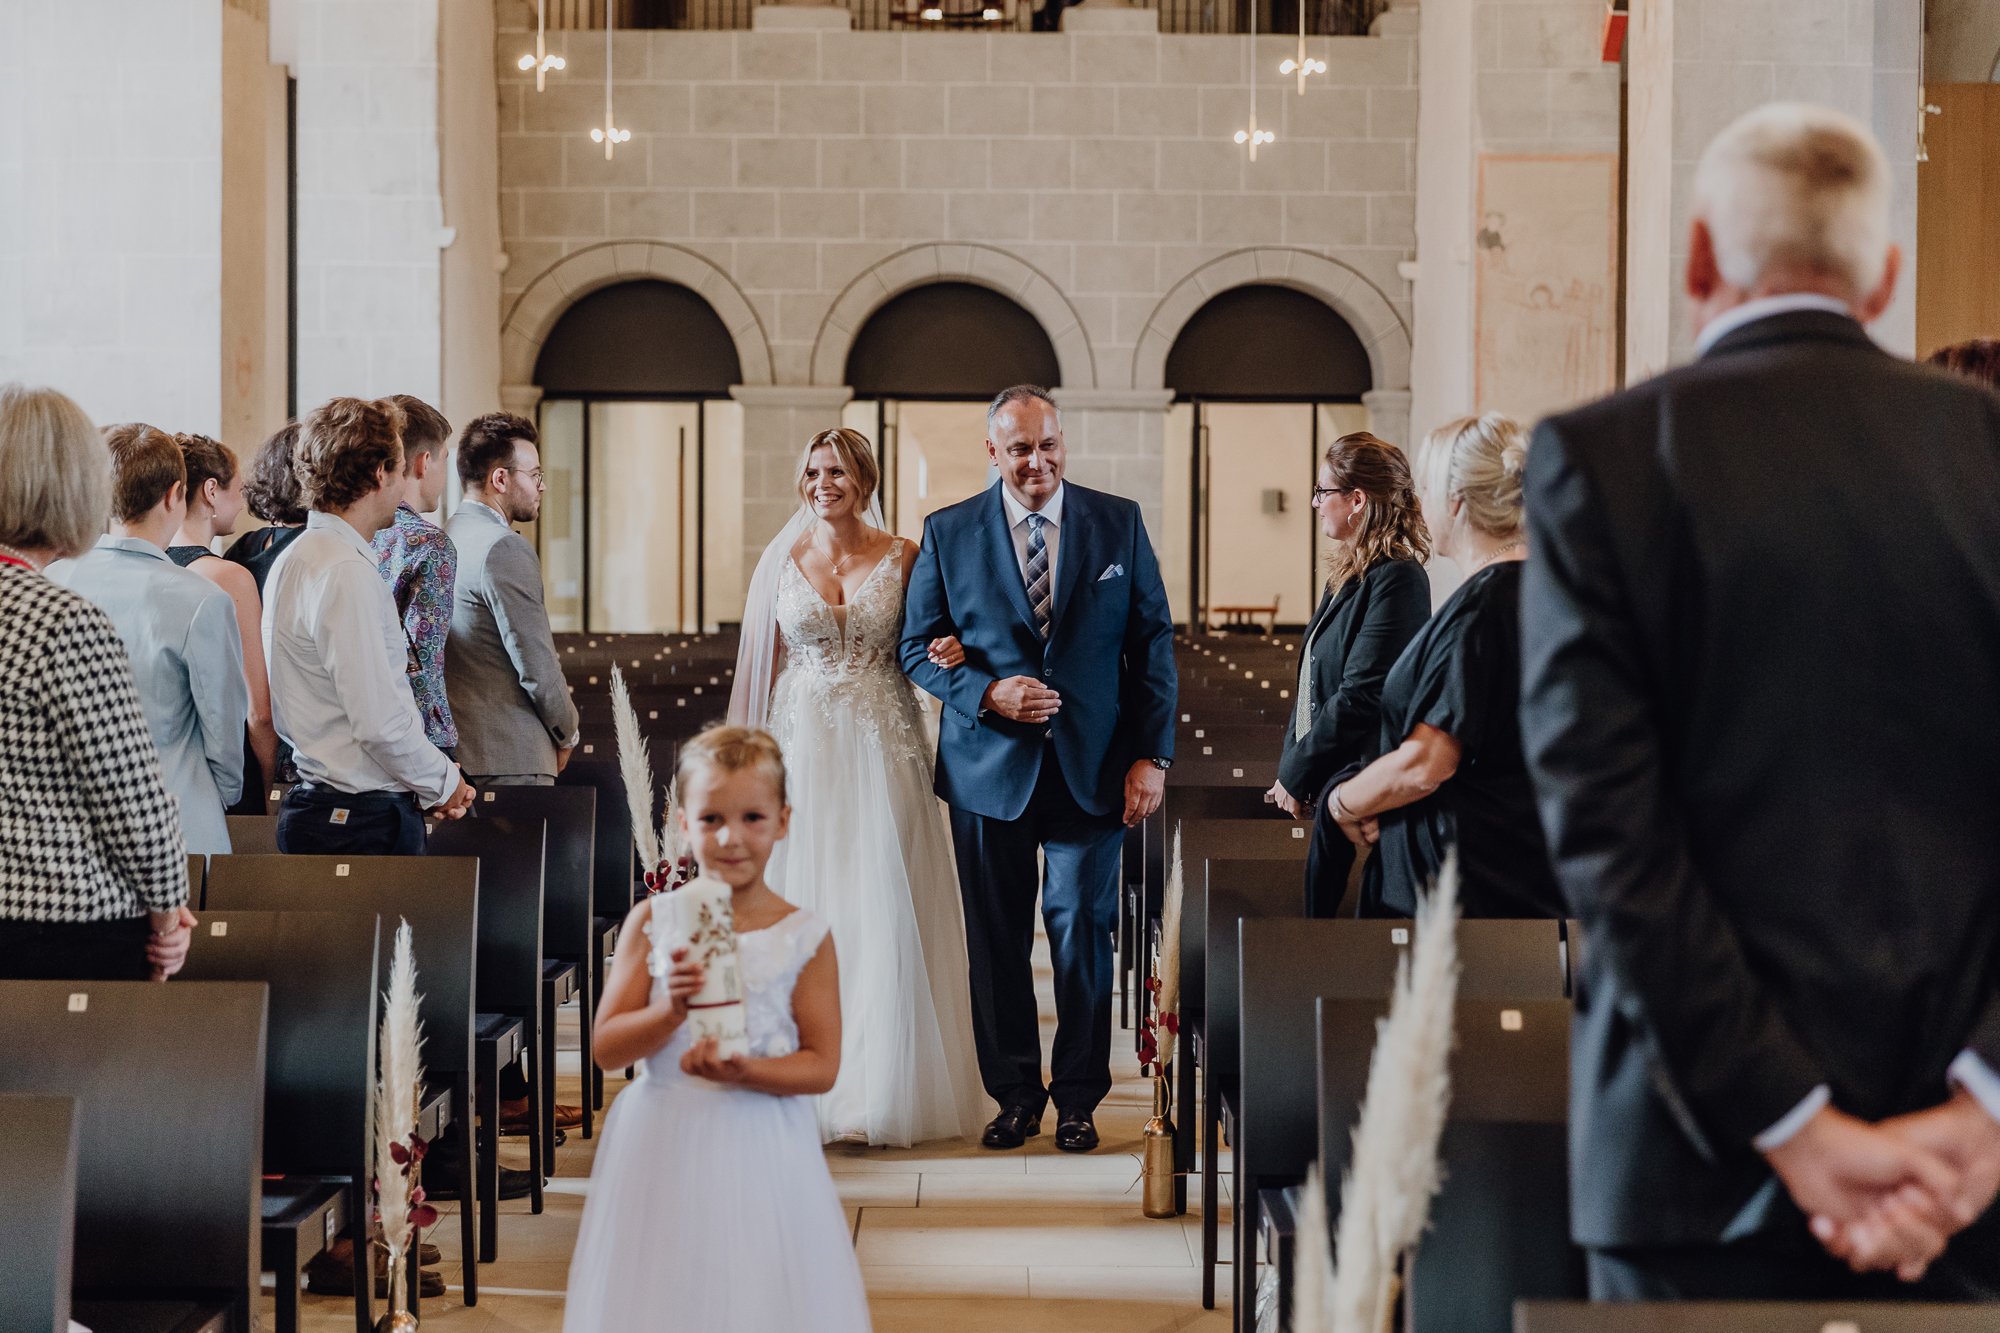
(870, 852)
(710, 1207)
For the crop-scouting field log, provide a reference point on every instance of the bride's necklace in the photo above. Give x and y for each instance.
(841, 563)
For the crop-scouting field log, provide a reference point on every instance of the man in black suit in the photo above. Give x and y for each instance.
(1761, 701)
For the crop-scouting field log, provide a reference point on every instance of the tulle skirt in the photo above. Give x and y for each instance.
(869, 852)
(711, 1211)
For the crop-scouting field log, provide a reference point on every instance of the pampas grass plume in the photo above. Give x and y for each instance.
(1169, 999)
(1386, 1199)
(635, 766)
(396, 1095)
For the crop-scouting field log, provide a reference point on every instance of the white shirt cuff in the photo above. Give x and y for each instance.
(1778, 1135)
(1973, 1074)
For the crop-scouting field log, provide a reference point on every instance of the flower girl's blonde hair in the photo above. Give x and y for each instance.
(721, 748)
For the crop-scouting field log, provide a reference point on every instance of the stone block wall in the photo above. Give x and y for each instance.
(800, 179)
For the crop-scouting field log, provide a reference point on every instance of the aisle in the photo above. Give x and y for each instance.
(951, 1237)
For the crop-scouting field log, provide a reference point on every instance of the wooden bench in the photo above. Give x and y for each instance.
(1281, 968)
(511, 853)
(323, 971)
(38, 1199)
(440, 897)
(570, 969)
(168, 1165)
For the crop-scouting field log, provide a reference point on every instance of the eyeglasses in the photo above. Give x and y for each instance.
(1321, 492)
(532, 474)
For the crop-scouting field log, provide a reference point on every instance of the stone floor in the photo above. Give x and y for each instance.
(950, 1236)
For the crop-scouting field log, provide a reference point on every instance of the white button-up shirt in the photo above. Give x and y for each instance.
(339, 664)
(1764, 307)
(1017, 524)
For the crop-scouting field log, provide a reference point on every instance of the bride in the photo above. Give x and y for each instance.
(869, 850)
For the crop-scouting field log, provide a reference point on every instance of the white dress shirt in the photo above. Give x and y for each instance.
(1764, 307)
(1017, 524)
(339, 664)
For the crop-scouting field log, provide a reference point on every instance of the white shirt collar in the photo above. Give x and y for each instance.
(318, 521)
(494, 514)
(1017, 513)
(1764, 307)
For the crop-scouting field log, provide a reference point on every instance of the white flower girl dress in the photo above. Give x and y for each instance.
(710, 1207)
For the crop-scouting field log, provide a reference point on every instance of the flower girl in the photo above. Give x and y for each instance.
(710, 1204)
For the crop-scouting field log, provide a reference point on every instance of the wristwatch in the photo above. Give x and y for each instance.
(1160, 763)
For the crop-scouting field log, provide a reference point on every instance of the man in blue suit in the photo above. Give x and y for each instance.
(1057, 732)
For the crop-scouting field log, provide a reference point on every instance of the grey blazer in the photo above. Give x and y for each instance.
(501, 674)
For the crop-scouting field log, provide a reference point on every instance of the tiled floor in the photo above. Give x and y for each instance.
(952, 1238)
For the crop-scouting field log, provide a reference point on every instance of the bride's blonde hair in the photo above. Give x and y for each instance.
(856, 455)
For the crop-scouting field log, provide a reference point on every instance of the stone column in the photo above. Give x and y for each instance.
(1389, 417)
(1692, 69)
(1117, 443)
(778, 419)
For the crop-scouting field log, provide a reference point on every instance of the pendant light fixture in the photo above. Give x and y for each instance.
(1302, 65)
(541, 59)
(608, 133)
(1252, 137)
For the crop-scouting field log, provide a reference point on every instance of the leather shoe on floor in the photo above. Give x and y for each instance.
(1011, 1128)
(515, 1117)
(1075, 1132)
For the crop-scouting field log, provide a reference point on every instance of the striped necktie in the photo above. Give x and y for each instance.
(1041, 594)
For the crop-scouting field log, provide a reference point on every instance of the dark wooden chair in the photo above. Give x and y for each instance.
(1232, 891)
(1749, 1317)
(1278, 847)
(615, 873)
(440, 897)
(1282, 967)
(1499, 1229)
(169, 1090)
(511, 853)
(253, 835)
(38, 1199)
(324, 972)
(569, 971)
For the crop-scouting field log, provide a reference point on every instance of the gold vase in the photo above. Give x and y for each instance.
(398, 1319)
(1157, 1170)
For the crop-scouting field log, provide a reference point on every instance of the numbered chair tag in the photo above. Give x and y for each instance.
(217, 929)
(340, 871)
(1400, 935)
(1510, 1020)
(78, 1001)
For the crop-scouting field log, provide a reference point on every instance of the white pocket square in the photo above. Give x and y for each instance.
(1112, 572)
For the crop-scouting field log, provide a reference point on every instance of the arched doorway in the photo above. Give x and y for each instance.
(641, 453)
(1264, 377)
(922, 368)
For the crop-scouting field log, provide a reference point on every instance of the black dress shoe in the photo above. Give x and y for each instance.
(443, 1187)
(1075, 1132)
(1011, 1128)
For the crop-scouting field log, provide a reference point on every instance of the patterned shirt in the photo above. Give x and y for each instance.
(88, 830)
(421, 566)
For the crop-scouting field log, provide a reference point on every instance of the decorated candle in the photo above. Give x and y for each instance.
(699, 917)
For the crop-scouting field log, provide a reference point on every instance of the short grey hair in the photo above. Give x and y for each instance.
(1796, 186)
(55, 472)
(1019, 393)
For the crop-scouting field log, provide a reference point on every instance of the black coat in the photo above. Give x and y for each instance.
(1761, 698)
(1355, 637)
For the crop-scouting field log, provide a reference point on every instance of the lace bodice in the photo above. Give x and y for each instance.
(771, 961)
(842, 659)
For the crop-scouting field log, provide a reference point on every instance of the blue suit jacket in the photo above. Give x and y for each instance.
(1109, 652)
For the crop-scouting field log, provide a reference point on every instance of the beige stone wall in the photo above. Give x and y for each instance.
(470, 184)
(799, 179)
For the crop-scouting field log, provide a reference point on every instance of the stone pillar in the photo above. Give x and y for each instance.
(800, 16)
(778, 419)
(1116, 440)
(1389, 417)
(1692, 69)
